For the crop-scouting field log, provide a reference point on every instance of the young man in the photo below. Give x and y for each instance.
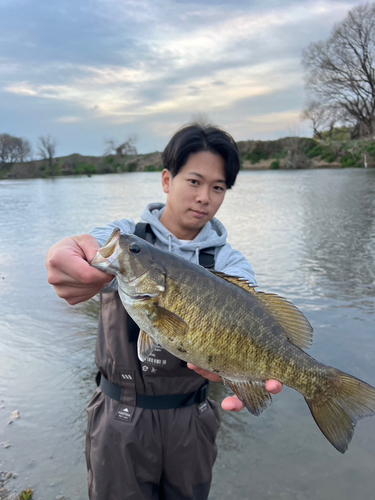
(151, 429)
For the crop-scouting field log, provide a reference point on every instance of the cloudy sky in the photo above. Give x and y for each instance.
(90, 70)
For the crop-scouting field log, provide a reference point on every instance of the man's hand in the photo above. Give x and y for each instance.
(69, 270)
(232, 403)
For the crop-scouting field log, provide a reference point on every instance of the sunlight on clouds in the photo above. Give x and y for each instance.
(116, 94)
(268, 125)
(273, 121)
(68, 119)
(245, 82)
(21, 88)
(111, 75)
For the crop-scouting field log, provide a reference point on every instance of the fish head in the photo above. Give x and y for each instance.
(130, 258)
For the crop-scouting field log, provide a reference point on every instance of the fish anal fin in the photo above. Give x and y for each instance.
(145, 345)
(294, 323)
(168, 323)
(253, 394)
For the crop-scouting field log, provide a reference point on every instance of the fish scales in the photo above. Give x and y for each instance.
(221, 324)
(244, 354)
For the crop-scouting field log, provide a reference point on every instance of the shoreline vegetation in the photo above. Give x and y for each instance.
(282, 154)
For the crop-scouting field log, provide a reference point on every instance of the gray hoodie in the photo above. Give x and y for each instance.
(213, 234)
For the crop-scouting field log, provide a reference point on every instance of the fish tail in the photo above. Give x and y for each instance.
(337, 412)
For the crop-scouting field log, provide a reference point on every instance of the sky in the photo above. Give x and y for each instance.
(89, 71)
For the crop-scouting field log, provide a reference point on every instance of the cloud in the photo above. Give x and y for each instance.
(142, 63)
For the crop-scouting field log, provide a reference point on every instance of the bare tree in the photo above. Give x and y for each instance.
(5, 140)
(340, 72)
(13, 149)
(47, 149)
(24, 150)
(123, 149)
(323, 118)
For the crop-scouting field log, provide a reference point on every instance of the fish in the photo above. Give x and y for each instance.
(223, 324)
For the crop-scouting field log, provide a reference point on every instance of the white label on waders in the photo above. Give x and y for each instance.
(125, 413)
(203, 407)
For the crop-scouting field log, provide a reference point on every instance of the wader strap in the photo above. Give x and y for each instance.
(143, 230)
(164, 402)
(206, 257)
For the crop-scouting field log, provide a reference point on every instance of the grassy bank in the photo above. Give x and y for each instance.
(286, 153)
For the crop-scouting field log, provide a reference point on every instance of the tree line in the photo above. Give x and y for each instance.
(17, 149)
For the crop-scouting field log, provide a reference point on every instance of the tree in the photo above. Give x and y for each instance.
(125, 148)
(340, 72)
(23, 149)
(47, 149)
(13, 149)
(323, 119)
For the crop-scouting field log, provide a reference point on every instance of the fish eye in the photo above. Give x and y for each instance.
(135, 247)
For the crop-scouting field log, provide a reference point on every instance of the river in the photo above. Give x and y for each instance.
(310, 236)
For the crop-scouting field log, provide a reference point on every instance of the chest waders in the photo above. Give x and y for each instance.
(151, 429)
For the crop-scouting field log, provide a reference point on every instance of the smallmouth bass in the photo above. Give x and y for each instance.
(225, 326)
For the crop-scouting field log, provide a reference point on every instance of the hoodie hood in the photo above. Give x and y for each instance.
(212, 234)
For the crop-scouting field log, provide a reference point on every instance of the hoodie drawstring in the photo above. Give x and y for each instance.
(169, 243)
(197, 254)
(197, 248)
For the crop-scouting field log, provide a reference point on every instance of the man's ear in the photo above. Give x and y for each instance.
(166, 179)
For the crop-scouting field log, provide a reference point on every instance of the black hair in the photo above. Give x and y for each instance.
(194, 138)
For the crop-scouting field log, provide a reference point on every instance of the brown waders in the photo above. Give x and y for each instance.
(134, 453)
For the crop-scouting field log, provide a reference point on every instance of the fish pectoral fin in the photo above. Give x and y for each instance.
(145, 345)
(253, 394)
(168, 323)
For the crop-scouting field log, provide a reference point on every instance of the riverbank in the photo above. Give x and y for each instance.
(288, 153)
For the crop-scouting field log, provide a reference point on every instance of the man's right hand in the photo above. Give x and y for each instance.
(69, 270)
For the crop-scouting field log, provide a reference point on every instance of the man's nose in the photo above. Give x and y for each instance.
(203, 195)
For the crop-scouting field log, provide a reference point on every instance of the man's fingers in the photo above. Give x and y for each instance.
(206, 374)
(232, 403)
(75, 272)
(274, 386)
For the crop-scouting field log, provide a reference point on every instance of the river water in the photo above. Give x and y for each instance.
(310, 236)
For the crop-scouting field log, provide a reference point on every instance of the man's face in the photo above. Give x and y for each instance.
(194, 194)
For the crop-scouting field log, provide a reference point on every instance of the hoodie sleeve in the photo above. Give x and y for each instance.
(233, 263)
(127, 226)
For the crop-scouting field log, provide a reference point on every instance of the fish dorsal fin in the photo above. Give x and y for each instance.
(241, 282)
(296, 326)
(145, 345)
(253, 394)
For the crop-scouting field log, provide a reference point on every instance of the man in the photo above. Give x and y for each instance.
(151, 430)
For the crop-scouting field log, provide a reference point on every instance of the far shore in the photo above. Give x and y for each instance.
(290, 153)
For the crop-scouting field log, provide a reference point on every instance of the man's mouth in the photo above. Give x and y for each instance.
(197, 213)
